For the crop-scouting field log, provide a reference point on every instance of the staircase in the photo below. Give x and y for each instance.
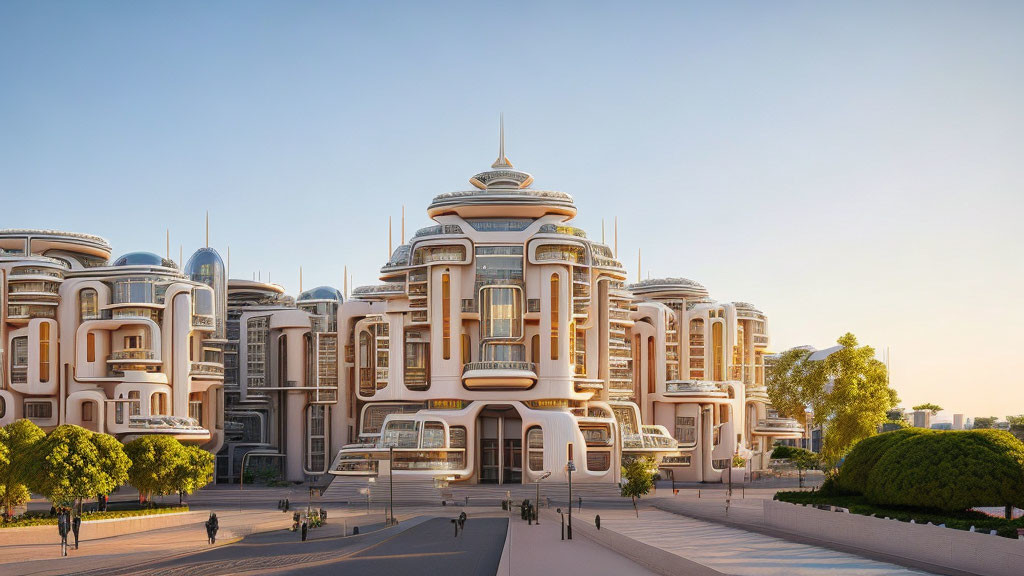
(407, 491)
(420, 491)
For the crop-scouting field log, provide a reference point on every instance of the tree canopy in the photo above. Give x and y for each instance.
(929, 407)
(72, 463)
(847, 392)
(193, 471)
(155, 459)
(17, 441)
(985, 422)
(857, 467)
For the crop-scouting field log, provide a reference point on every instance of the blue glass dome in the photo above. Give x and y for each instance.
(321, 293)
(207, 267)
(142, 259)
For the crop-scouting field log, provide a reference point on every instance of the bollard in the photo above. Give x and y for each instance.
(597, 521)
(456, 524)
(355, 531)
(563, 522)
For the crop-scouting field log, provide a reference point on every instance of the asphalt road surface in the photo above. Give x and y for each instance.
(421, 546)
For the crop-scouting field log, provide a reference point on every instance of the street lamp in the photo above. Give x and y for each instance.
(570, 467)
(391, 483)
(536, 515)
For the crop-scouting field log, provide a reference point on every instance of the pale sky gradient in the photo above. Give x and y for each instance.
(853, 167)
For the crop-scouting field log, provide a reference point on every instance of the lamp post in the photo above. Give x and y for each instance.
(570, 467)
(391, 483)
(369, 488)
(536, 515)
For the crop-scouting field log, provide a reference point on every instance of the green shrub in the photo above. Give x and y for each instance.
(782, 451)
(44, 519)
(853, 474)
(950, 470)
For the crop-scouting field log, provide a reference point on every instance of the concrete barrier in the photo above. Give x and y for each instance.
(959, 550)
(96, 529)
(650, 557)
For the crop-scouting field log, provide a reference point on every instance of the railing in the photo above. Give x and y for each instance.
(202, 321)
(164, 422)
(207, 368)
(19, 374)
(469, 305)
(760, 339)
(132, 355)
(439, 229)
(697, 386)
(786, 424)
(500, 365)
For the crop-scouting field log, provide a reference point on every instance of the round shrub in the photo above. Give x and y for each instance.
(853, 474)
(950, 470)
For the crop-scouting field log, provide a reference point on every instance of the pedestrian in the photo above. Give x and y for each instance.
(212, 526)
(287, 505)
(76, 525)
(305, 529)
(581, 504)
(63, 527)
(323, 516)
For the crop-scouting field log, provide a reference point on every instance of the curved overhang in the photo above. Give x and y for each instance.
(41, 241)
(512, 202)
(664, 288)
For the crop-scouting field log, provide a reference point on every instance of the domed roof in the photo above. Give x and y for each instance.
(204, 257)
(669, 287)
(142, 259)
(321, 293)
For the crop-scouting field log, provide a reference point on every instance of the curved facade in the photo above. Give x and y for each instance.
(120, 349)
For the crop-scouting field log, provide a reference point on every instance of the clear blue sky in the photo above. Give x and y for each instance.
(844, 166)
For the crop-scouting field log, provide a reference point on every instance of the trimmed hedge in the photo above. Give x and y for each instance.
(853, 474)
(949, 470)
(44, 518)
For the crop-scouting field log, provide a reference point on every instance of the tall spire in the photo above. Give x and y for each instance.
(207, 228)
(502, 161)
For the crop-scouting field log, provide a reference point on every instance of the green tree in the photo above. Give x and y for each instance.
(16, 477)
(1016, 425)
(72, 463)
(984, 422)
(848, 393)
(930, 407)
(639, 479)
(154, 457)
(193, 471)
(802, 458)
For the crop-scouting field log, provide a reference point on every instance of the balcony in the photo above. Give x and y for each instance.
(132, 355)
(779, 427)
(694, 389)
(175, 425)
(19, 374)
(206, 369)
(499, 375)
(203, 321)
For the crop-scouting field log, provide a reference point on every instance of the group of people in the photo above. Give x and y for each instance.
(66, 525)
(313, 519)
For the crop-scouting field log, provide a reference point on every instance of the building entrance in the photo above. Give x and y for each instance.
(500, 437)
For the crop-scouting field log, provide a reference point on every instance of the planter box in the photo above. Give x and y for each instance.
(95, 529)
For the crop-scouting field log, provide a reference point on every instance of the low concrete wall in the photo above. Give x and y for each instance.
(96, 529)
(972, 552)
(650, 557)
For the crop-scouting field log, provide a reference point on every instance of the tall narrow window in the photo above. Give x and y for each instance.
(580, 351)
(134, 407)
(417, 362)
(651, 364)
(716, 350)
(90, 347)
(87, 411)
(535, 449)
(554, 316)
(467, 353)
(535, 348)
(44, 352)
(446, 313)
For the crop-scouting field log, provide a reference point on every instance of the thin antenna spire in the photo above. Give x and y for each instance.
(502, 161)
(181, 257)
(602, 230)
(168, 243)
(207, 228)
(616, 236)
(300, 279)
(403, 226)
(389, 238)
(345, 282)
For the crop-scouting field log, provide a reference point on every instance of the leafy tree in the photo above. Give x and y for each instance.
(928, 406)
(73, 463)
(193, 471)
(985, 422)
(154, 457)
(639, 479)
(950, 470)
(847, 392)
(19, 441)
(802, 458)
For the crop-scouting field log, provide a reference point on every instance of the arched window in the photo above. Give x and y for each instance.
(366, 366)
(535, 449)
(651, 365)
(417, 361)
(44, 352)
(535, 348)
(716, 351)
(554, 316)
(467, 351)
(88, 305)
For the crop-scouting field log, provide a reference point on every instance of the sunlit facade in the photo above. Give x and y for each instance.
(128, 348)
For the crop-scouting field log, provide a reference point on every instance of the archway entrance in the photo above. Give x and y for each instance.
(500, 445)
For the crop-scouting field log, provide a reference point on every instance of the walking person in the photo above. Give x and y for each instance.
(76, 525)
(63, 527)
(212, 525)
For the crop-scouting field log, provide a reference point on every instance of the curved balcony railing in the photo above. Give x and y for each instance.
(165, 422)
(132, 355)
(203, 321)
(694, 387)
(500, 365)
(780, 424)
(206, 369)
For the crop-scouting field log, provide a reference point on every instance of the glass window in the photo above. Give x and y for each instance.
(686, 430)
(88, 305)
(499, 265)
(44, 352)
(716, 358)
(456, 436)
(499, 224)
(401, 433)
(467, 353)
(433, 435)
(40, 410)
(132, 342)
(535, 448)
(561, 252)
(598, 461)
(417, 362)
(257, 331)
(554, 315)
(446, 315)
(501, 313)
(90, 347)
(429, 254)
(316, 438)
(134, 407)
(202, 301)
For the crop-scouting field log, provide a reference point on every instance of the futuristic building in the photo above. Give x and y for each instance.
(281, 381)
(496, 350)
(128, 348)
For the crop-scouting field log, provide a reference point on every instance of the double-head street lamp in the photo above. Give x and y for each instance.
(536, 513)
